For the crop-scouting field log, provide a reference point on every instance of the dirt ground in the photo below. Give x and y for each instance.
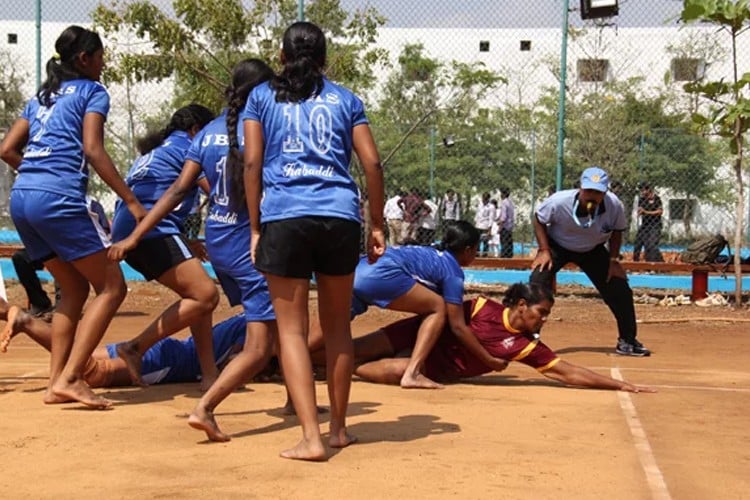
(507, 435)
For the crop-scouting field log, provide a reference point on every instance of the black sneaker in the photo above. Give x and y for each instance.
(636, 349)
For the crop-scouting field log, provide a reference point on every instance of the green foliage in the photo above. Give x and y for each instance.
(12, 99)
(199, 44)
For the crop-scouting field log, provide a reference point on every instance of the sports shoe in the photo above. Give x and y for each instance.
(715, 299)
(636, 349)
(682, 300)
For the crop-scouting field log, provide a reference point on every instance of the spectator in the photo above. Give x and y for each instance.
(585, 226)
(428, 224)
(394, 217)
(494, 242)
(649, 232)
(506, 220)
(414, 208)
(450, 209)
(483, 221)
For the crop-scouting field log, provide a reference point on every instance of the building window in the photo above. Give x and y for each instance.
(484, 46)
(525, 45)
(682, 209)
(593, 70)
(12, 38)
(687, 69)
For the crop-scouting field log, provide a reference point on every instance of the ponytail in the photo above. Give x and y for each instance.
(304, 48)
(183, 119)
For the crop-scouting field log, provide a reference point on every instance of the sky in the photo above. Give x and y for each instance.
(414, 13)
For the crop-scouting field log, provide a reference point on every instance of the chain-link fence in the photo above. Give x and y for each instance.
(462, 96)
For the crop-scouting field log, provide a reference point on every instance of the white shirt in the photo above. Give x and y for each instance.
(391, 210)
(429, 221)
(485, 215)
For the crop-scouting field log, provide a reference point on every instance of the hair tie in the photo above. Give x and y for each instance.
(56, 56)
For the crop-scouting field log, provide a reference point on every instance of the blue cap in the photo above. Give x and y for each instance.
(595, 178)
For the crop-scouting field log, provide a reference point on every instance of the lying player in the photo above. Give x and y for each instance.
(507, 331)
(168, 361)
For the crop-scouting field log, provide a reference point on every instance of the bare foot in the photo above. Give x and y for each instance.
(128, 352)
(418, 381)
(51, 398)
(312, 451)
(341, 439)
(204, 420)
(15, 319)
(79, 391)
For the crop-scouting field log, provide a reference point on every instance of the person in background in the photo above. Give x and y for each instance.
(650, 211)
(394, 218)
(414, 208)
(450, 209)
(428, 224)
(507, 221)
(483, 218)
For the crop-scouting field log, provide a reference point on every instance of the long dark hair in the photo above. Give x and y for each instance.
(532, 293)
(246, 75)
(458, 236)
(61, 67)
(183, 119)
(304, 49)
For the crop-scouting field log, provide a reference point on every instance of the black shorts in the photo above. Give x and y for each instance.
(155, 256)
(296, 248)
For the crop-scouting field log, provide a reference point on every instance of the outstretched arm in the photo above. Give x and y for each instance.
(571, 374)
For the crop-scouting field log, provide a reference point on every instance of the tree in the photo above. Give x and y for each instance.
(199, 44)
(12, 101)
(730, 113)
(425, 99)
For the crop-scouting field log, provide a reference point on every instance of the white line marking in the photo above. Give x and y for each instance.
(654, 476)
(673, 370)
(701, 388)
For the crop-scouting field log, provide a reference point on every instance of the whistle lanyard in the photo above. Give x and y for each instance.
(589, 222)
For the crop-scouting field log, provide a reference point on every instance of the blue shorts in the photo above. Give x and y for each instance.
(52, 224)
(244, 285)
(381, 283)
(175, 361)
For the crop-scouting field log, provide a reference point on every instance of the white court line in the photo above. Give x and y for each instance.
(701, 388)
(672, 370)
(654, 476)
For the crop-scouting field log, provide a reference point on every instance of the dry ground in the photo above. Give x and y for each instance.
(507, 435)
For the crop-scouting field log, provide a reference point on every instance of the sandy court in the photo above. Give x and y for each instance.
(504, 435)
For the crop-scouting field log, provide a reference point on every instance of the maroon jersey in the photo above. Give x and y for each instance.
(489, 322)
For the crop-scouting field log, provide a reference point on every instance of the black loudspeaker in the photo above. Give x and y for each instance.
(595, 9)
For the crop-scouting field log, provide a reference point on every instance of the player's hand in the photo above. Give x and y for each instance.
(118, 251)
(637, 388)
(497, 364)
(137, 210)
(542, 261)
(375, 245)
(198, 247)
(616, 271)
(254, 238)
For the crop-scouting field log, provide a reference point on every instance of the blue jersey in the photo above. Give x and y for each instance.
(149, 177)
(54, 159)
(227, 223)
(176, 361)
(396, 271)
(307, 150)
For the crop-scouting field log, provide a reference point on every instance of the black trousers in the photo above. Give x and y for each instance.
(648, 238)
(616, 293)
(26, 270)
